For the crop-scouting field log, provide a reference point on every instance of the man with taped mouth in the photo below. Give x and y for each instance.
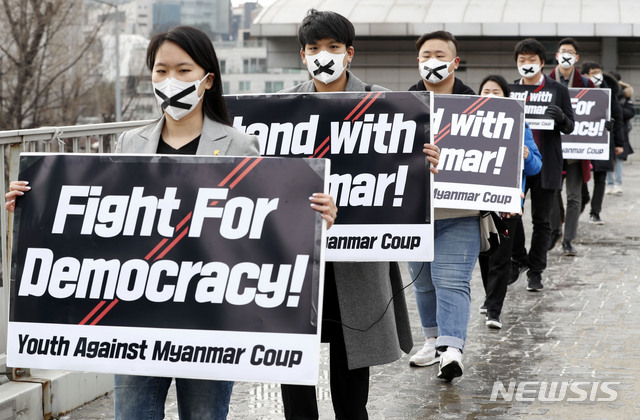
(442, 287)
(529, 55)
(356, 294)
(577, 171)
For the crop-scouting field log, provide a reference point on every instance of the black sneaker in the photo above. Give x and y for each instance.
(493, 321)
(596, 220)
(516, 270)
(568, 250)
(483, 309)
(534, 282)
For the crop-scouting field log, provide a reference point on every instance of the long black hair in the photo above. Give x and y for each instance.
(200, 48)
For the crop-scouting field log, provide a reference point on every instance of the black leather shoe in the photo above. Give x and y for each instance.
(568, 249)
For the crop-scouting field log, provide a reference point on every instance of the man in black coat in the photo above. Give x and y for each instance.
(577, 172)
(594, 72)
(529, 55)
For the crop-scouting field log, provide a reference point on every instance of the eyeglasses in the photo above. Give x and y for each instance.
(567, 51)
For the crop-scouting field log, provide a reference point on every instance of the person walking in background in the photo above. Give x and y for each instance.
(576, 171)
(614, 178)
(495, 269)
(529, 55)
(442, 287)
(593, 71)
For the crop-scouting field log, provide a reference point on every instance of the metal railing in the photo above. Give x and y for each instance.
(90, 138)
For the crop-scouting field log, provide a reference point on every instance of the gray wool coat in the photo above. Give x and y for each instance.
(364, 291)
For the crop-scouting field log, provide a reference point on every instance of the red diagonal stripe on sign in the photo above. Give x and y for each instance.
(479, 105)
(367, 106)
(442, 132)
(103, 313)
(234, 172)
(472, 105)
(353, 111)
(93, 311)
(172, 244)
(440, 137)
(324, 152)
(154, 250)
(175, 241)
(582, 93)
(245, 172)
(320, 147)
(165, 240)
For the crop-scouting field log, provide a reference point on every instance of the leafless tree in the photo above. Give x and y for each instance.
(48, 60)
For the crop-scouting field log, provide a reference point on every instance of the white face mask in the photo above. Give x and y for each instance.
(597, 79)
(434, 70)
(567, 60)
(177, 98)
(528, 70)
(325, 66)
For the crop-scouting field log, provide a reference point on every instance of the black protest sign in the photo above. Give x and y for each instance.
(589, 139)
(188, 266)
(537, 100)
(480, 141)
(379, 176)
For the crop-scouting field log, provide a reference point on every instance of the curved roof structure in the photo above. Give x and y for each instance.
(618, 18)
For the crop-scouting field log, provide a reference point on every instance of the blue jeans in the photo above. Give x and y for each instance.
(143, 398)
(617, 172)
(442, 287)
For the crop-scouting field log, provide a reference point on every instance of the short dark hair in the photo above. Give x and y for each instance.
(198, 45)
(569, 41)
(441, 35)
(318, 25)
(530, 46)
(587, 66)
(499, 80)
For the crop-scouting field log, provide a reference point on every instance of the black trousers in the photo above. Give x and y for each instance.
(349, 388)
(557, 214)
(542, 202)
(496, 269)
(599, 186)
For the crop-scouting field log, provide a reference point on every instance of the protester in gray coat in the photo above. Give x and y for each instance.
(365, 317)
(194, 121)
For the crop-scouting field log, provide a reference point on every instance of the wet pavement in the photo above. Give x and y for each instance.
(580, 334)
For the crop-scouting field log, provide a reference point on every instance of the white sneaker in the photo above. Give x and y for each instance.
(450, 364)
(609, 189)
(617, 190)
(426, 356)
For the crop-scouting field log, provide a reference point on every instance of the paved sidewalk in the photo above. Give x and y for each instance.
(581, 331)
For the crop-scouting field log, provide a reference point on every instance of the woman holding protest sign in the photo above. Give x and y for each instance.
(496, 268)
(186, 81)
